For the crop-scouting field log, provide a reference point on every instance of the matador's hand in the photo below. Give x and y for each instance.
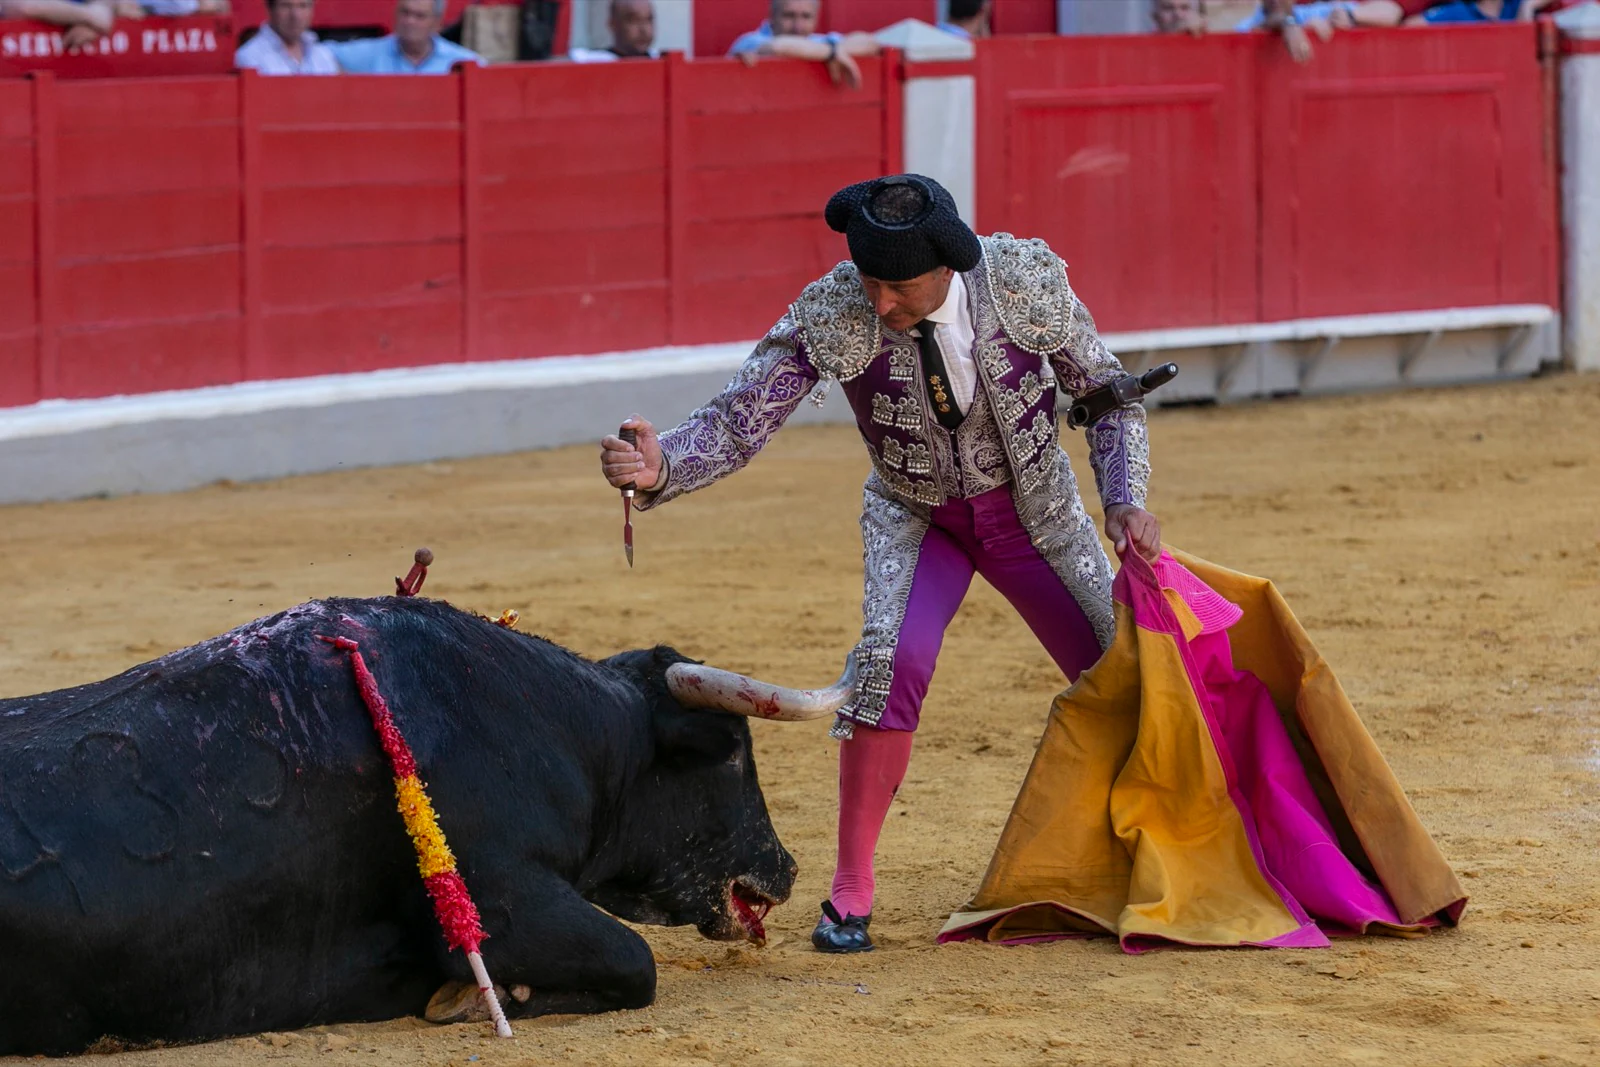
(638, 463)
(1126, 524)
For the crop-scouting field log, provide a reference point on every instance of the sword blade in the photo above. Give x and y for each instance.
(627, 526)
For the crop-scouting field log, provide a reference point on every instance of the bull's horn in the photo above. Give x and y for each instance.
(697, 686)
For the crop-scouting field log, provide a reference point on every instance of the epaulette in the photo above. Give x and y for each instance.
(837, 323)
(1028, 284)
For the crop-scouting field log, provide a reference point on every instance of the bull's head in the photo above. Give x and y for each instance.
(696, 844)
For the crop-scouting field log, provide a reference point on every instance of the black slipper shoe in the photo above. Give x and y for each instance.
(835, 933)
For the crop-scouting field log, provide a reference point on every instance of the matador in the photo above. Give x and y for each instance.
(950, 349)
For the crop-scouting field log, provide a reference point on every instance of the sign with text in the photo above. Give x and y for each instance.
(135, 48)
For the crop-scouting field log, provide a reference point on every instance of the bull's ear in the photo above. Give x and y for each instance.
(712, 736)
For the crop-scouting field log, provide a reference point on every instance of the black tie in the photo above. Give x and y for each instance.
(940, 393)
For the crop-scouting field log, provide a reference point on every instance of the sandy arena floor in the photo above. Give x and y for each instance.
(1442, 547)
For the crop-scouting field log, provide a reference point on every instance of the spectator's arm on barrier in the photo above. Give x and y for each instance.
(1373, 13)
(97, 15)
(838, 51)
(175, 8)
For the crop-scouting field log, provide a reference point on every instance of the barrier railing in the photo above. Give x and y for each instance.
(1197, 183)
(167, 234)
(197, 231)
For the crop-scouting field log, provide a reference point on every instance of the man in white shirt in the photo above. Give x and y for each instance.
(633, 34)
(285, 44)
(950, 349)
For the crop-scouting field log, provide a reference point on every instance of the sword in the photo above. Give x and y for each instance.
(631, 436)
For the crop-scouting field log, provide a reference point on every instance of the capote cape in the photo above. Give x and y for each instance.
(1207, 782)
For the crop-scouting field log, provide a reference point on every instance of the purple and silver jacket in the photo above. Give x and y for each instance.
(1032, 335)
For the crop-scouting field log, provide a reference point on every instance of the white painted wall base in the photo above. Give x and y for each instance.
(61, 450)
(64, 449)
(1345, 354)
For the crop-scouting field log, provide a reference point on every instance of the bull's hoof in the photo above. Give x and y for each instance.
(841, 933)
(460, 1002)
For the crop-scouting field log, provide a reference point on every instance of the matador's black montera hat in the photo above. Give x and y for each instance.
(902, 226)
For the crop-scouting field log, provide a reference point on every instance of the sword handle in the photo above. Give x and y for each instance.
(1126, 390)
(631, 437)
(1156, 377)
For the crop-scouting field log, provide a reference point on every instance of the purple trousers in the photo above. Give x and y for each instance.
(980, 535)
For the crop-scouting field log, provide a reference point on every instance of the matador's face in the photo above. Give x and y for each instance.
(901, 305)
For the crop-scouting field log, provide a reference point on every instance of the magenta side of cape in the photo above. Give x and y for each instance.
(1293, 841)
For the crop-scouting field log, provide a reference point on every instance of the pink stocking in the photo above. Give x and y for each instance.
(872, 764)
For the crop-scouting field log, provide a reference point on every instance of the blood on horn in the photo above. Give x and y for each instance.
(697, 686)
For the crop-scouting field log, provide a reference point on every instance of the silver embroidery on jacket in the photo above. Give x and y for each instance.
(842, 335)
(1119, 445)
(1043, 486)
(980, 458)
(891, 540)
(841, 331)
(902, 361)
(1028, 284)
(726, 433)
(1065, 536)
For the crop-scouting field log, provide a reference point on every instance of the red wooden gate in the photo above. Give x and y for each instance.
(1214, 181)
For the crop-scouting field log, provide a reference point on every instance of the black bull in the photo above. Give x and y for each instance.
(208, 844)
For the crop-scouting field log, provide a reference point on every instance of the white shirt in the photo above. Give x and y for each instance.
(266, 53)
(955, 337)
(602, 55)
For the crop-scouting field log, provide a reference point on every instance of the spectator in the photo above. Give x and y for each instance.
(285, 43)
(790, 31)
(414, 47)
(788, 18)
(968, 18)
(1179, 16)
(1288, 19)
(633, 34)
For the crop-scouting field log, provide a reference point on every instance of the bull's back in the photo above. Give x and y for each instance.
(221, 816)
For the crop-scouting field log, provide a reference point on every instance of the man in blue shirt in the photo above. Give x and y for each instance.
(786, 18)
(414, 47)
(790, 32)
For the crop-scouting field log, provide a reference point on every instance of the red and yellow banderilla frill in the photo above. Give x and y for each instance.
(452, 904)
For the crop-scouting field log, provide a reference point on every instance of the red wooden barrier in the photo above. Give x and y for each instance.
(19, 274)
(162, 234)
(173, 233)
(1198, 182)
(752, 165)
(718, 23)
(1135, 158)
(1023, 16)
(139, 235)
(360, 201)
(140, 48)
(1408, 172)
(569, 251)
